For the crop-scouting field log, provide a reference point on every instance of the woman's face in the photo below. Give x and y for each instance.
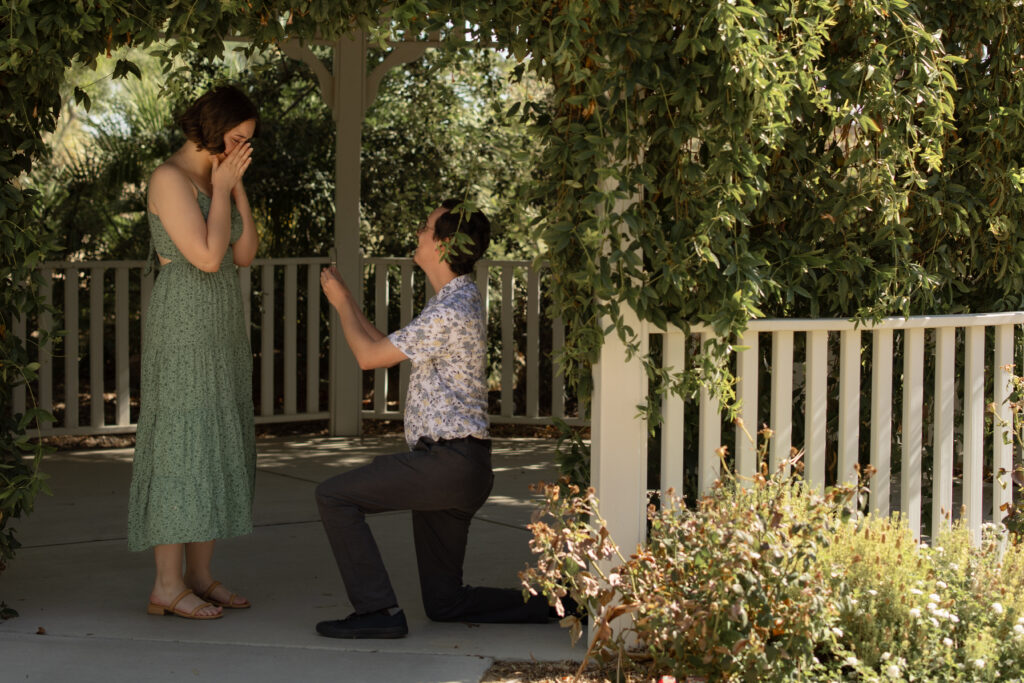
(243, 132)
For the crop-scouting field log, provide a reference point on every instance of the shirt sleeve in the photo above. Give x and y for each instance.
(424, 338)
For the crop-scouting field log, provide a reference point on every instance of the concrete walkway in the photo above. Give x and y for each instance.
(82, 595)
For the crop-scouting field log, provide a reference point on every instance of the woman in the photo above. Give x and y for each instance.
(195, 457)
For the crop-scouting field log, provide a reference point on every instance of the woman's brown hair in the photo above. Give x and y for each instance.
(214, 114)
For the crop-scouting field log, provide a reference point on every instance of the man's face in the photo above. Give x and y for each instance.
(428, 251)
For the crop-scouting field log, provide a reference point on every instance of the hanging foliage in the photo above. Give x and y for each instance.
(718, 161)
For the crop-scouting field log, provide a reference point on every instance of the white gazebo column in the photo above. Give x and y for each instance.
(346, 378)
(618, 464)
(343, 89)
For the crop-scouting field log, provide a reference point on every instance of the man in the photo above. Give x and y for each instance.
(446, 475)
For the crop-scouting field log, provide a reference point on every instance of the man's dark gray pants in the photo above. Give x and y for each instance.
(443, 483)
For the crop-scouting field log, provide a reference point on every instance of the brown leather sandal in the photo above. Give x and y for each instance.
(230, 604)
(161, 610)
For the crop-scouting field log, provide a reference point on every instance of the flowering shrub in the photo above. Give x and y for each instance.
(914, 612)
(732, 588)
(770, 581)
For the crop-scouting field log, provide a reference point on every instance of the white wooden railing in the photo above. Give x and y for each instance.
(836, 352)
(283, 306)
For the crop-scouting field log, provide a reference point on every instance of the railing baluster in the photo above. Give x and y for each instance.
(508, 347)
(145, 293)
(245, 287)
(267, 341)
(96, 346)
(482, 279)
(1002, 432)
(557, 370)
(672, 413)
(913, 407)
(942, 439)
(122, 366)
(405, 304)
(817, 408)
(746, 435)
(428, 288)
(782, 401)
(291, 347)
(532, 343)
(313, 338)
(709, 438)
(849, 405)
(881, 420)
(380, 375)
(20, 391)
(71, 350)
(974, 426)
(46, 350)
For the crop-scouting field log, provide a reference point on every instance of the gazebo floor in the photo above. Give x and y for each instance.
(75, 582)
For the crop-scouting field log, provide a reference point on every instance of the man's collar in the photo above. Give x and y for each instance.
(455, 284)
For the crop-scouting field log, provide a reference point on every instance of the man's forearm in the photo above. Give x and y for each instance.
(369, 328)
(370, 346)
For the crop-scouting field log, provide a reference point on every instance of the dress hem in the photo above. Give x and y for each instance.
(135, 548)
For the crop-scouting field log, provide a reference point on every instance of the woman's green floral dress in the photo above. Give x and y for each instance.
(195, 452)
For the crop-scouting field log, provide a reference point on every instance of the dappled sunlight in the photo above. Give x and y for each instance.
(90, 457)
(532, 467)
(325, 459)
(509, 501)
(524, 446)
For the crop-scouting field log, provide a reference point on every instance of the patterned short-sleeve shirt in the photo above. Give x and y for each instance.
(447, 344)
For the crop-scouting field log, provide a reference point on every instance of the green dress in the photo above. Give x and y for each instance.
(195, 451)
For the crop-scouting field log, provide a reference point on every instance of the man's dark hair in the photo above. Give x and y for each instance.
(214, 114)
(475, 225)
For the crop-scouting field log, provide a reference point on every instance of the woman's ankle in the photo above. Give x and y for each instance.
(168, 587)
(198, 580)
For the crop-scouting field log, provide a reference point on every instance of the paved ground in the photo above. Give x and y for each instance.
(82, 595)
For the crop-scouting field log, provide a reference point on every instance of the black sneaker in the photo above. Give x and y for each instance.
(380, 624)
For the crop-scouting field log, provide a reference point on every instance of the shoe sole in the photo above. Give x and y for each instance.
(365, 634)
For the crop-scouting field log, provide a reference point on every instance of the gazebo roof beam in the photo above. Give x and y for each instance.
(323, 42)
(403, 53)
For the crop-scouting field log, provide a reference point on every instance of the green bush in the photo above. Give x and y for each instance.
(766, 580)
(20, 478)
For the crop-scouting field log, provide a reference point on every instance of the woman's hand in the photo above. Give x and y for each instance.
(333, 286)
(227, 173)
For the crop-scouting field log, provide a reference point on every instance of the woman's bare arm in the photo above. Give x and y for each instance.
(244, 250)
(202, 242)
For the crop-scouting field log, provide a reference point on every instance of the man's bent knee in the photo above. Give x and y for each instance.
(330, 493)
(439, 610)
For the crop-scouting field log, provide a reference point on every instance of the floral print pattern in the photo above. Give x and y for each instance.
(447, 344)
